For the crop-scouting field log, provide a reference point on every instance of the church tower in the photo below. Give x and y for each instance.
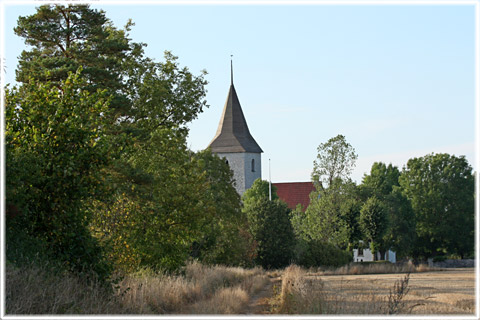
(234, 142)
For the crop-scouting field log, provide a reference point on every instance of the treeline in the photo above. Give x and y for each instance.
(426, 210)
(99, 178)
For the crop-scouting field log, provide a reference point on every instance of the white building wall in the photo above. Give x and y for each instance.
(368, 256)
(255, 172)
(241, 165)
(364, 257)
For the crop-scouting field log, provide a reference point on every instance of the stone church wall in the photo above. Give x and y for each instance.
(241, 165)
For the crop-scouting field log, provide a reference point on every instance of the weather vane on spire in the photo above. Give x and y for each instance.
(231, 67)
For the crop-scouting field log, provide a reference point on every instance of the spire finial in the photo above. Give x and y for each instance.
(231, 68)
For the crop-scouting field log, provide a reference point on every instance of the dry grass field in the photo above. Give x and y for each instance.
(435, 292)
(224, 290)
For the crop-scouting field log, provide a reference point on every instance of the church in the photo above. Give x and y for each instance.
(234, 142)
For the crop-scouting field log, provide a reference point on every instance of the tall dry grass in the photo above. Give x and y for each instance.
(34, 290)
(300, 295)
(201, 290)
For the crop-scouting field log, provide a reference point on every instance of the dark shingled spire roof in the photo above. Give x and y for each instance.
(232, 133)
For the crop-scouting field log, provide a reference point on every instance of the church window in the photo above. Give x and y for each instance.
(360, 252)
(226, 161)
(253, 165)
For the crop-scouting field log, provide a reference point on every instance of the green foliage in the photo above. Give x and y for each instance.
(164, 95)
(259, 190)
(315, 253)
(155, 185)
(271, 229)
(161, 212)
(374, 222)
(23, 249)
(439, 258)
(56, 147)
(350, 214)
(64, 38)
(132, 178)
(329, 216)
(335, 160)
(441, 190)
(400, 235)
(225, 239)
(382, 182)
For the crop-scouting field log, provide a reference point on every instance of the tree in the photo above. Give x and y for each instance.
(382, 182)
(350, 214)
(270, 227)
(441, 190)
(328, 216)
(64, 38)
(328, 227)
(158, 216)
(400, 235)
(259, 190)
(151, 207)
(56, 148)
(335, 160)
(225, 238)
(374, 222)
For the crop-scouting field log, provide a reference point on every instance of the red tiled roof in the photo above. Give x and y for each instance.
(294, 193)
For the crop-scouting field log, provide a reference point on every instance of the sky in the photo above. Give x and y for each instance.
(398, 81)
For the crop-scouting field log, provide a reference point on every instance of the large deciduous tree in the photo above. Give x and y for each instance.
(331, 218)
(441, 190)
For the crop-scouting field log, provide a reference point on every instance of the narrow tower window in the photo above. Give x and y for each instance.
(253, 165)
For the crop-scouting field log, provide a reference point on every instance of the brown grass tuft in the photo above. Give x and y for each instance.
(300, 295)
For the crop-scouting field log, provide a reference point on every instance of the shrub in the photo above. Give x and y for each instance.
(315, 253)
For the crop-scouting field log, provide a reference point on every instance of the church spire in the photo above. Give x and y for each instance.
(232, 133)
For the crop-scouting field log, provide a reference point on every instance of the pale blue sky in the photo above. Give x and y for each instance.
(396, 80)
